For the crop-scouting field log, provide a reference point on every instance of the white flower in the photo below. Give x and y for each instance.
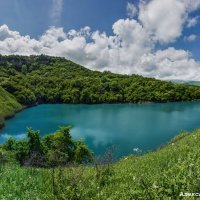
(155, 186)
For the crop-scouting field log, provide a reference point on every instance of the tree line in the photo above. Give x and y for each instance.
(45, 79)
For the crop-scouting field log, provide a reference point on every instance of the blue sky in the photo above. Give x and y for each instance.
(34, 17)
(137, 32)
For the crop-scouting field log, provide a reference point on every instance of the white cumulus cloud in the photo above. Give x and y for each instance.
(165, 19)
(6, 33)
(170, 64)
(129, 50)
(190, 38)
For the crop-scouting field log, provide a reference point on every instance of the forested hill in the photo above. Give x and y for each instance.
(44, 79)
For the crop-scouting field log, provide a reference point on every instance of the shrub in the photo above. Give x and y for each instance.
(52, 150)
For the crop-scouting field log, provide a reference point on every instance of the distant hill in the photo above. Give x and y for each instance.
(191, 83)
(45, 79)
(194, 83)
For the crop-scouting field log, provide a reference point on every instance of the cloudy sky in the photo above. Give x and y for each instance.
(153, 38)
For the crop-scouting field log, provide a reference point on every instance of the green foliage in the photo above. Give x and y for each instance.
(34, 141)
(8, 105)
(21, 149)
(162, 174)
(10, 144)
(25, 97)
(52, 150)
(44, 79)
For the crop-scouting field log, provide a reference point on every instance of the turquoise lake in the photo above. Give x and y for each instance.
(126, 126)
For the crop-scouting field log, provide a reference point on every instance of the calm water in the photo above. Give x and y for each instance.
(126, 126)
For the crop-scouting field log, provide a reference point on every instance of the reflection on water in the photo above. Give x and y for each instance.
(127, 126)
(6, 136)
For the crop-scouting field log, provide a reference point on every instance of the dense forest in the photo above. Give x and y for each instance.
(53, 167)
(44, 79)
(32, 80)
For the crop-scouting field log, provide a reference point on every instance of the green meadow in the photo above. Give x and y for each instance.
(162, 174)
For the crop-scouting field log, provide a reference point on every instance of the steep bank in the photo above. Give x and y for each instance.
(8, 106)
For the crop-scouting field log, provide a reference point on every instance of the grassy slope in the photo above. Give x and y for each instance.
(8, 105)
(162, 174)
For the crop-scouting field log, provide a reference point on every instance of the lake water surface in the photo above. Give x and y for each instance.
(126, 126)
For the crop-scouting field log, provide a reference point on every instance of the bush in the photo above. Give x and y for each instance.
(52, 150)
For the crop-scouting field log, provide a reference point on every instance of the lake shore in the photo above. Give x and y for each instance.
(12, 114)
(127, 126)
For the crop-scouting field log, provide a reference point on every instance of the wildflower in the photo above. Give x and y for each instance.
(155, 186)
(191, 165)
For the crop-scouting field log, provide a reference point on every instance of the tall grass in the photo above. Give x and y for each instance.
(162, 174)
